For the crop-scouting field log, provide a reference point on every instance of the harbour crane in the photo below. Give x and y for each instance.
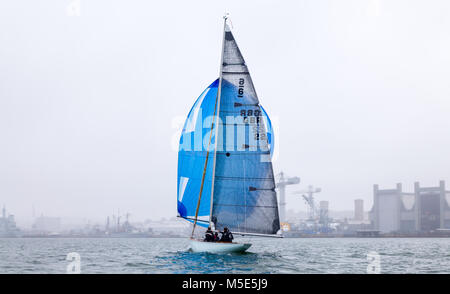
(308, 196)
(281, 183)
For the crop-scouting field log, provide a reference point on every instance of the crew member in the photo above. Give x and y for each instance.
(227, 236)
(209, 237)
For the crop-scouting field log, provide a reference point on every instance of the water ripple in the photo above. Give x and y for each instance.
(265, 256)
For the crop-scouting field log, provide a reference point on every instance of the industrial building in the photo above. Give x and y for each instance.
(46, 225)
(425, 210)
(359, 210)
(8, 226)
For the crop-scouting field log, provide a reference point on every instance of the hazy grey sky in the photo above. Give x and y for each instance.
(358, 91)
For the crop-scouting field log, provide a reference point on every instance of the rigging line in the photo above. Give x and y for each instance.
(189, 218)
(258, 235)
(245, 205)
(243, 178)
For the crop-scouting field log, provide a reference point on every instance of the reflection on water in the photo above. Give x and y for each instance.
(265, 256)
(188, 262)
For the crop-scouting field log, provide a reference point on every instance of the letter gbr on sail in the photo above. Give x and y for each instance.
(238, 187)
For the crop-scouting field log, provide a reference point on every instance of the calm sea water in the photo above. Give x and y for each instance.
(265, 256)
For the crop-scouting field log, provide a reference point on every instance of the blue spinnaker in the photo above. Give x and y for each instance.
(192, 155)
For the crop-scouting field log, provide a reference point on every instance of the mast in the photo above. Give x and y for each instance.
(219, 92)
(216, 106)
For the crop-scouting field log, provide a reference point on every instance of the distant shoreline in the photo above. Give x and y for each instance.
(178, 237)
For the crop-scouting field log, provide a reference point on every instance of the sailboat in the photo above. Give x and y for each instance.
(225, 173)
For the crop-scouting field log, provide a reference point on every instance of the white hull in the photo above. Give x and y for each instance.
(218, 247)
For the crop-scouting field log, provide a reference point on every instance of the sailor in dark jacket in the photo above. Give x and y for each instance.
(209, 237)
(227, 236)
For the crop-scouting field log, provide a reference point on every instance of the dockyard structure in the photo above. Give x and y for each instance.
(323, 213)
(8, 226)
(47, 225)
(425, 210)
(281, 182)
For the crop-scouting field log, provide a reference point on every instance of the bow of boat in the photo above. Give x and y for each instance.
(218, 247)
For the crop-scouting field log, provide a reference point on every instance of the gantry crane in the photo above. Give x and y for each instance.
(281, 184)
(308, 196)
